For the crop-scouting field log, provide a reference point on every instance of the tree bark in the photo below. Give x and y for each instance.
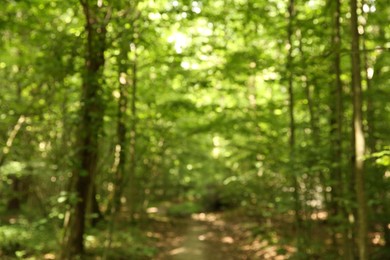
(11, 137)
(121, 155)
(90, 125)
(336, 121)
(289, 67)
(358, 137)
(313, 157)
(133, 135)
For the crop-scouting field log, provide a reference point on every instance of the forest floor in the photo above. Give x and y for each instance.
(207, 236)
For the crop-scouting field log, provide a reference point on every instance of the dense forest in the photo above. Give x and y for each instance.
(263, 124)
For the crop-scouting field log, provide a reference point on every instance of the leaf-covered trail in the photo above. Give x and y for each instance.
(202, 237)
(215, 237)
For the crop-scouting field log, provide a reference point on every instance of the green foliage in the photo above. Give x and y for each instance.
(382, 157)
(13, 168)
(184, 209)
(129, 243)
(13, 238)
(24, 239)
(210, 115)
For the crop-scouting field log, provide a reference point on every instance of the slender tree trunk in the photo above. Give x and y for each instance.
(11, 137)
(336, 122)
(315, 140)
(91, 121)
(289, 67)
(121, 154)
(336, 114)
(133, 136)
(358, 137)
(14, 202)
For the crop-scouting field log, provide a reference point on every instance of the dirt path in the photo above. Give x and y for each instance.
(202, 237)
(215, 237)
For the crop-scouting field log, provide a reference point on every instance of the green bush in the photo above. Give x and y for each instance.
(13, 239)
(26, 239)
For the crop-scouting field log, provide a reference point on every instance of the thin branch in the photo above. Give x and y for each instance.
(11, 138)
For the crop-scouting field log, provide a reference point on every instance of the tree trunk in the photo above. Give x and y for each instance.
(121, 147)
(313, 157)
(133, 136)
(336, 122)
(289, 67)
(11, 137)
(90, 125)
(358, 137)
(14, 201)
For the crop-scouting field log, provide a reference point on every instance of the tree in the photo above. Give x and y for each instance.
(90, 124)
(292, 141)
(336, 137)
(358, 136)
